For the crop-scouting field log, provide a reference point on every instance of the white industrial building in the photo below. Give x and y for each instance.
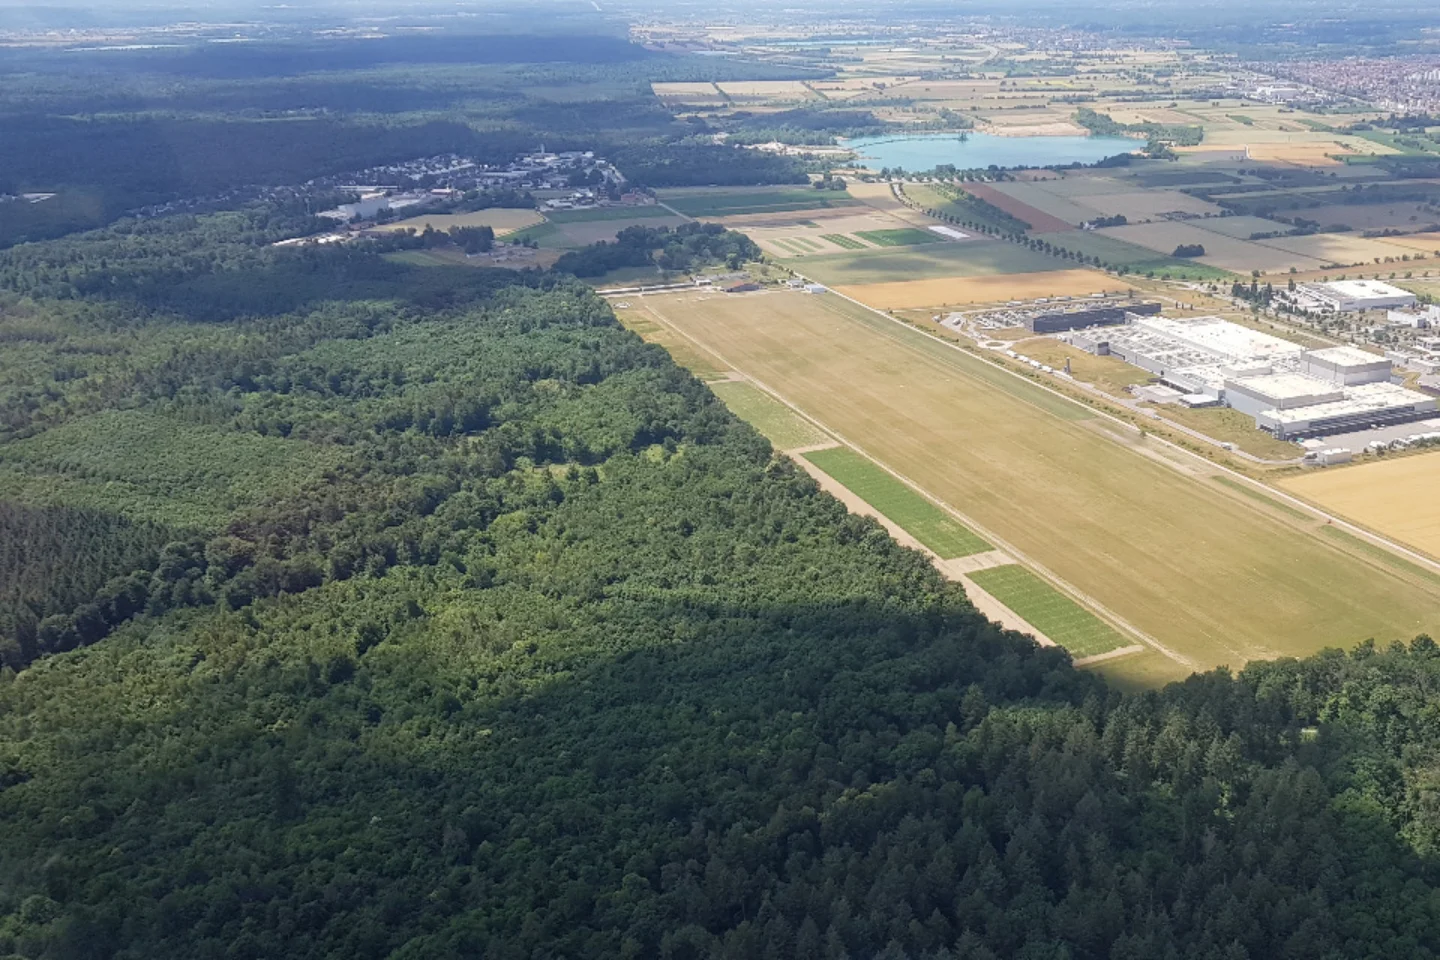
(1346, 366)
(1348, 296)
(1418, 318)
(1290, 391)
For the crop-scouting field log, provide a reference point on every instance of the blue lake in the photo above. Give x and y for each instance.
(919, 152)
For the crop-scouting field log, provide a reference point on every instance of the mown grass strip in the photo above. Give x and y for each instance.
(1253, 494)
(920, 518)
(781, 426)
(1048, 610)
(1380, 553)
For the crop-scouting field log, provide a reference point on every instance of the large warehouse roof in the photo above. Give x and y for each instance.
(1345, 356)
(1364, 289)
(1220, 338)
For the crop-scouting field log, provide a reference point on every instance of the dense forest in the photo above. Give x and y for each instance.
(355, 609)
(404, 612)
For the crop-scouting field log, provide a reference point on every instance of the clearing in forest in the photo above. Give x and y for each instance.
(1212, 576)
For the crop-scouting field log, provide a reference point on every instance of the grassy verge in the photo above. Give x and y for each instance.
(1049, 611)
(780, 425)
(922, 519)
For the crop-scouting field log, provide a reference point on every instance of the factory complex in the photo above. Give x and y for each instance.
(1350, 296)
(1291, 392)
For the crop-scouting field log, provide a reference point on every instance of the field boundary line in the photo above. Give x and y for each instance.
(1338, 521)
(1108, 655)
(1084, 599)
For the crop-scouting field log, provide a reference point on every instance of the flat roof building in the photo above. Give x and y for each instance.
(1346, 365)
(1365, 406)
(1346, 296)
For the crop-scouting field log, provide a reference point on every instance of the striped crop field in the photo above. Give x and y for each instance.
(1048, 610)
(901, 237)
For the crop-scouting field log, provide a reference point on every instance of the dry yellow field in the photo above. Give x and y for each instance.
(502, 221)
(1227, 253)
(995, 288)
(1147, 204)
(687, 92)
(767, 90)
(1396, 498)
(1211, 574)
(1340, 248)
(1424, 242)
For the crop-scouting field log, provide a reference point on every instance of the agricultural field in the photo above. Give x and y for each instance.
(689, 94)
(1145, 205)
(1395, 498)
(901, 237)
(781, 426)
(1035, 195)
(1049, 611)
(1111, 250)
(1227, 253)
(1373, 216)
(994, 288)
(1424, 242)
(1241, 227)
(714, 203)
(1337, 248)
(941, 533)
(607, 214)
(1051, 483)
(1039, 220)
(815, 232)
(766, 91)
(970, 258)
(503, 221)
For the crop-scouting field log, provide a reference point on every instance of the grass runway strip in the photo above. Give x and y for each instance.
(1213, 575)
(923, 520)
(780, 425)
(1049, 611)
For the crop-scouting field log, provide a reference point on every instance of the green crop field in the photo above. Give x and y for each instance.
(1056, 483)
(901, 237)
(780, 425)
(841, 240)
(972, 258)
(923, 520)
(730, 203)
(600, 214)
(1049, 611)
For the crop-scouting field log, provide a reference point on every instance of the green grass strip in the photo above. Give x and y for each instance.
(1380, 553)
(1253, 494)
(841, 240)
(917, 516)
(903, 237)
(1049, 611)
(780, 425)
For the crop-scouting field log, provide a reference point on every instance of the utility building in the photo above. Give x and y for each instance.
(1346, 366)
